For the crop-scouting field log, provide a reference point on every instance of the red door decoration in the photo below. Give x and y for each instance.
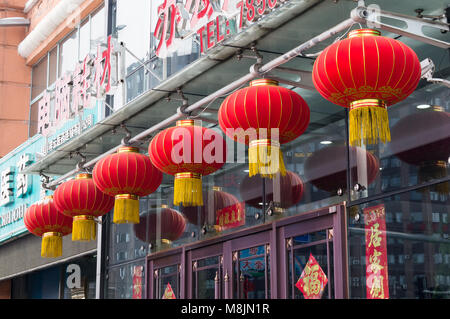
(367, 73)
(423, 139)
(376, 253)
(44, 220)
(188, 151)
(127, 175)
(168, 292)
(165, 224)
(327, 168)
(264, 116)
(80, 199)
(313, 280)
(138, 275)
(214, 200)
(288, 190)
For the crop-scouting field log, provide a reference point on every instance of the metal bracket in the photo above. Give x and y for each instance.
(45, 180)
(184, 105)
(126, 139)
(372, 16)
(428, 68)
(81, 162)
(304, 82)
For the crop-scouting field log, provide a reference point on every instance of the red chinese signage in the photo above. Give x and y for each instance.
(212, 21)
(231, 216)
(376, 253)
(93, 77)
(313, 280)
(137, 282)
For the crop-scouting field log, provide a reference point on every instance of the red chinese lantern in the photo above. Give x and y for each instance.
(288, 190)
(214, 200)
(263, 116)
(168, 222)
(367, 73)
(80, 199)
(423, 139)
(127, 175)
(327, 168)
(188, 151)
(44, 220)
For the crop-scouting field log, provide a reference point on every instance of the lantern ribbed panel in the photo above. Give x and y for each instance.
(366, 67)
(171, 225)
(171, 160)
(188, 151)
(80, 196)
(219, 200)
(81, 199)
(43, 219)
(366, 73)
(264, 107)
(126, 173)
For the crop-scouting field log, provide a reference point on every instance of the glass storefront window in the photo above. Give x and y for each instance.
(132, 20)
(85, 39)
(98, 29)
(402, 257)
(39, 82)
(68, 54)
(52, 65)
(126, 281)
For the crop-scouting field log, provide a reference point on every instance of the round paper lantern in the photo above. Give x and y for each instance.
(127, 175)
(367, 73)
(263, 116)
(423, 139)
(80, 199)
(288, 190)
(214, 200)
(168, 222)
(188, 151)
(44, 220)
(327, 168)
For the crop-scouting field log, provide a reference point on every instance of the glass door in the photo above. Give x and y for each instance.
(313, 250)
(166, 277)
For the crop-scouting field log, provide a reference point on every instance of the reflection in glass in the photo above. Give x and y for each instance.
(68, 54)
(205, 272)
(167, 281)
(319, 245)
(39, 82)
(418, 246)
(252, 273)
(126, 281)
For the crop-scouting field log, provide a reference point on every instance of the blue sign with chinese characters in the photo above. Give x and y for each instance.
(18, 191)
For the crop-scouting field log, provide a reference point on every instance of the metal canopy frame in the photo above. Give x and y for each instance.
(371, 16)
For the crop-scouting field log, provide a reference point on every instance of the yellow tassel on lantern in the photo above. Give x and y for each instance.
(188, 189)
(84, 228)
(368, 122)
(126, 209)
(265, 158)
(51, 245)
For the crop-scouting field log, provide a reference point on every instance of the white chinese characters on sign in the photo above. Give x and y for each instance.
(93, 77)
(210, 20)
(22, 182)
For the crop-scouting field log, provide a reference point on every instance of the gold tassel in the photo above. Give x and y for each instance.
(51, 245)
(188, 189)
(434, 170)
(368, 122)
(84, 228)
(265, 158)
(126, 209)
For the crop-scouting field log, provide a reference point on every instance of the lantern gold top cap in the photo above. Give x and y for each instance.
(187, 122)
(259, 82)
(128, 149)
(363, 33)
(83, 176)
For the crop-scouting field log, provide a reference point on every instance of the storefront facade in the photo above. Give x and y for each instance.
(367, 222)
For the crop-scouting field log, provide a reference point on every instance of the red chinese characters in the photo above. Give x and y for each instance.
(376, 253)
